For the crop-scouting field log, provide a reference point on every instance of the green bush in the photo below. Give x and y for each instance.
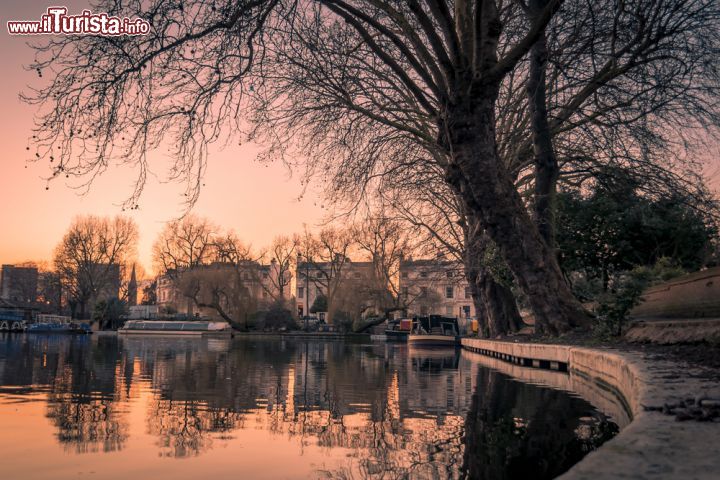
(343, 321)
(625, 294)
(319, 305)
(110, 314)
(278, 317)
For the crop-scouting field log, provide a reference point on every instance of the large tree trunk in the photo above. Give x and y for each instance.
(495, 304)
(546, 165)
(502, 313)
(476, 173)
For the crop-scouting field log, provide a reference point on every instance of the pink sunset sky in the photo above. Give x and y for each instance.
(258, 201)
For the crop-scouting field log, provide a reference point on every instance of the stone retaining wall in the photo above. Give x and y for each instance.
(652, 445)
(696, 295)
(685, 309)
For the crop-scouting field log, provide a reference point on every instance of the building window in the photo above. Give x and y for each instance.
(449, 274)
(301, 291)
(423, 292)
(449, 291)
(404, 274)
(404, 291)
(467, 292)
(423, 310)
(449, 311)
(423, 274)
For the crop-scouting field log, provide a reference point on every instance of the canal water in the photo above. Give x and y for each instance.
(103, 407)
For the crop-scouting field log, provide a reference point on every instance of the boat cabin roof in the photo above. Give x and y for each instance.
(199, 325)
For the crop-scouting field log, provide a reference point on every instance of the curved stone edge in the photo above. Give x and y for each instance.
(653, 445)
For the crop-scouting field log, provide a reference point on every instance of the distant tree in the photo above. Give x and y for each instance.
(183, 244)
(214, 270)
(219, 289)
(92, 257)
(149, 294)
(325, 258)
(50, 292)
(282, 255)
(110, 313)
(386, 241)
(278, 316)
(320, 304)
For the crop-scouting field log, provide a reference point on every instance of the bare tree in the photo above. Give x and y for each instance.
(386, 241)
(323, 260)
(282, 255)
(222, 289)
(183, 244)
(92, 258)
(210, 269)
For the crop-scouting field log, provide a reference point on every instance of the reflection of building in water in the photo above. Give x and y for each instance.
(436, 383)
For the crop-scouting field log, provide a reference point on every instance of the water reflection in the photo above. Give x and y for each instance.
(333, 410)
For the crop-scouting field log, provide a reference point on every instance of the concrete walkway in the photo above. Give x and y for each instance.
(642, 394)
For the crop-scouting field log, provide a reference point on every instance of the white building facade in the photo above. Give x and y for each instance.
(335, 281)
(435, 287)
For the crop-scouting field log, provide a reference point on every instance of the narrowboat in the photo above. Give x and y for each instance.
(59, 327)
(398, 330)
(12, 326)
(435, 331)
(176, 327)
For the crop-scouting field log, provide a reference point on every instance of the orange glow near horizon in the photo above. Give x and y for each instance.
(256, 200)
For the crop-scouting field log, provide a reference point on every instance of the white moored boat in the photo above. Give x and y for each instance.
(175, 327)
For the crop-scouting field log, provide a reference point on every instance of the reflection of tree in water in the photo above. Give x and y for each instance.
(515, 430)
(80, 379)
(186, 428)
(87, 425)
(415, 448)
